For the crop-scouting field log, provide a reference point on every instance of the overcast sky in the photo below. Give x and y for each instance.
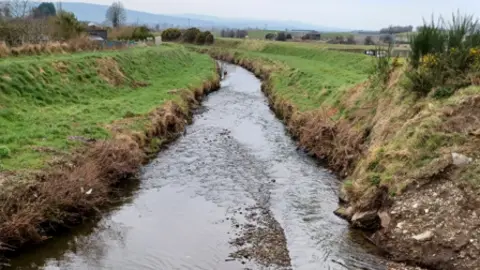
(351, 14)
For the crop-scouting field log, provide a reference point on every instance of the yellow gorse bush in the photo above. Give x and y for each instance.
(475, 52)
(429, 60)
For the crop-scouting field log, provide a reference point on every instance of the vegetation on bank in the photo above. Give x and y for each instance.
(445, 56)
(47, 102)
(76, 125)
(309, 76)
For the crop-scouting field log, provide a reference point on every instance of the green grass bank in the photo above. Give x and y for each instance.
(308, 75)
(409, 160)
(73, 126)
(47, 102)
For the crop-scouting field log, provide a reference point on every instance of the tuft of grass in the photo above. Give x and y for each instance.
(4, 151)
(375, 179)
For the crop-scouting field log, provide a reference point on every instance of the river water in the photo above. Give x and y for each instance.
(197, 196)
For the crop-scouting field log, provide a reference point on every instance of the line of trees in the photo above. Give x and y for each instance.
(396, 29)
(343, 40)
(233, 33)
(280, 36)
(192, 35)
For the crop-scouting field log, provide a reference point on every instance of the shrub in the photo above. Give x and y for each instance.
(171, 34)
(270, 36)
(369, 40)
(190, 35)
(429, 40)
(421, 82)
(4, 151)
(281, 36)
(201, 37)
(289, 36)
(204, 38)
(443, 92)
(67, 26)
(141, 33)
(209, 39)
(351, 40)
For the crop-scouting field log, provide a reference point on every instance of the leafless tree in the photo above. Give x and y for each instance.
(19, 8)
(116, 14)
(18, 26)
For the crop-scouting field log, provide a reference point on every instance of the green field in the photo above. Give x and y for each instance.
(314, 75)
(47, 100)
(248, 44)
(260, 34)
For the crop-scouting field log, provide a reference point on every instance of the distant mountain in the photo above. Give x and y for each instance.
(96, 13)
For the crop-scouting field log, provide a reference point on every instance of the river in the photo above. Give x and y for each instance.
(232, 193)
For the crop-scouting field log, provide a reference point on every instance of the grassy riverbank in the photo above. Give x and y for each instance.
(307, 75)
(398, 149)
(75, 125)
(47, 102)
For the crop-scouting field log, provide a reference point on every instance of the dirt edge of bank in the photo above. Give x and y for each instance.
(79, 187)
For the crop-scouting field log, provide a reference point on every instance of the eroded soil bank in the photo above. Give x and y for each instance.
(233, 193)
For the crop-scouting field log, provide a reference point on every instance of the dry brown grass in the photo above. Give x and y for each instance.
(63, 196)
(336, 141)
(121, 32)
(78, 44)
(4, 50)
(110, 71)
(60, 66)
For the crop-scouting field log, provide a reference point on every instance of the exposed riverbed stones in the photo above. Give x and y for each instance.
(260, 238)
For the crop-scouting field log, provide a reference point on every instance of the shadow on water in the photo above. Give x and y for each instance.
(235, 155)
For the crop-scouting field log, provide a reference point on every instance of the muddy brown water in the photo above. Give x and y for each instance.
(186, 209)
